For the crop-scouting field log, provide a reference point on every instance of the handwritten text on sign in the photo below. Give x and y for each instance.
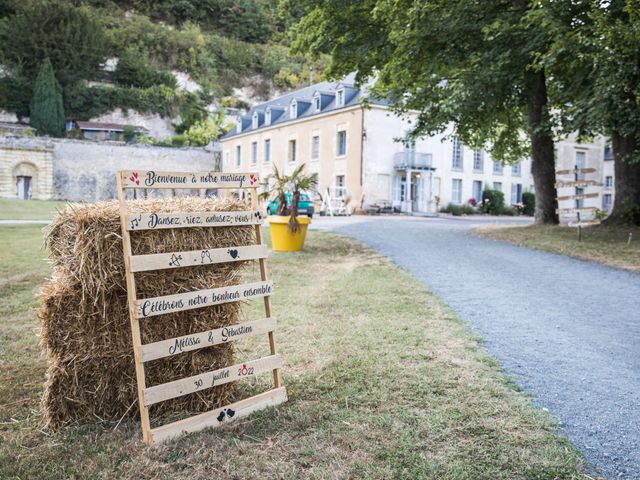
(177, 388)
(153, 179)
(201, 298)
(155, 221)
(195, 341)
(159, 261)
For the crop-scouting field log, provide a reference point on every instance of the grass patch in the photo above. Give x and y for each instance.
(13, 209)
(601, 243)
(384, 382)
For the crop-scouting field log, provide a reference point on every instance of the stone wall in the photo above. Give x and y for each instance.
(79, 170)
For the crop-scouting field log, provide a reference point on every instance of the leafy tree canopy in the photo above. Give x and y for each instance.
(450, 60)
(69, 36)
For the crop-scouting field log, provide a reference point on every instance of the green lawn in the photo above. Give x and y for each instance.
(11, 209)
(384, 381)
(602, 243)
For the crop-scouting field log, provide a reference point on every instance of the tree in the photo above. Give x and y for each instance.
(69, 36)
(470, 64)
(594, 59)
(47, 113)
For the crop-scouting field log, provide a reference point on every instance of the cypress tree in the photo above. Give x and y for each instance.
(47, 112)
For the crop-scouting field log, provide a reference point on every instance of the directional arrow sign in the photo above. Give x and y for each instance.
(578, 183)
(579, 197)
(573, 170)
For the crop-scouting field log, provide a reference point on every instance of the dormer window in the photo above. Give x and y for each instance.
(239, 125)
(254, 120)
(267, 116)
(317, 105)
(340, 98)
(293, 109)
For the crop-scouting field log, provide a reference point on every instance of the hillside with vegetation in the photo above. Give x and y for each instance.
(126, 55)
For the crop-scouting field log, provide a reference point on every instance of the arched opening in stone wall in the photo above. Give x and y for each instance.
(25, 176)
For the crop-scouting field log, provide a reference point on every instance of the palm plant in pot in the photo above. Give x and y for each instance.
(288, 228)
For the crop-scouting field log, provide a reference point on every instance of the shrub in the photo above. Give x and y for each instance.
(453, 209)
(468, 210)
(529, 203)
(492, 202)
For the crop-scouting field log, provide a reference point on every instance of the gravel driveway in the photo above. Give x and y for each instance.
(568, 330)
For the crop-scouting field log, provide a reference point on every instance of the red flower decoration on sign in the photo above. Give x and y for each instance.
(252, 179)
(134, 178)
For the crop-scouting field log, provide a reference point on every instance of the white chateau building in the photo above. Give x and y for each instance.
(358, 153)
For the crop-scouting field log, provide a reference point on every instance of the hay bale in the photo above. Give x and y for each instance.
(84, 318)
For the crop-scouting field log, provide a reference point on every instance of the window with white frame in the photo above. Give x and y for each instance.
(516, 193)
(580, 159)
(340, 98)
(456, 190)
(477, 190)
(293, 109)
(254, 153)
(267, 150)
(316, 103)
(267, 116)
(292, 151)
(478, 160)
(340, 185)
(497, 186)
(456, 161)
(608, 181)
(315, 147)
(254, 120)
(497, 167)
(607, 201)
(341, 147)
(238, 155)
(516, 169)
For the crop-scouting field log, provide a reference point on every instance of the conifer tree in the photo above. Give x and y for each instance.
(47, 112)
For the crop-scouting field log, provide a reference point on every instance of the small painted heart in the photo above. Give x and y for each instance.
(230, 413)
(252, 179)
(233, 253)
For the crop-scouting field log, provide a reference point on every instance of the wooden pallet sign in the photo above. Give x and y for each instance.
(578, 184)
(144, 309)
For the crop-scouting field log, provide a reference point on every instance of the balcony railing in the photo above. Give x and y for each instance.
(413, 160)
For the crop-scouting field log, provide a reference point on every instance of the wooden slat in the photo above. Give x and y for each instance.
(578, 183)
(578, 197)
(584, 223)
(133, 319)
(161, 261)
(220, 416)
(187, 343)
(150, 307)
(576, 210)
(157, 221)
(263, 276)
(198, 383)
(187, 180)
(580, 170)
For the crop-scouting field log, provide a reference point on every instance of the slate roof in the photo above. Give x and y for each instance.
(280, 106)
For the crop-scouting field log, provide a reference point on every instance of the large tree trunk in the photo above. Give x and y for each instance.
(542, 149)
(627, 180)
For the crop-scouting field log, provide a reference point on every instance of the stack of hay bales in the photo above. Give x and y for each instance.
(84, 319)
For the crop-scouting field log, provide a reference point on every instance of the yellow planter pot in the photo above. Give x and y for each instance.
(282, 239)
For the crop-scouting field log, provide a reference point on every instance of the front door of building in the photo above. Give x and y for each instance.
(24, 187)
(417, 193)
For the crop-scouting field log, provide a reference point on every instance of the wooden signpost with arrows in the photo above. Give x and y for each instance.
(141, 309)
(578, 184)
